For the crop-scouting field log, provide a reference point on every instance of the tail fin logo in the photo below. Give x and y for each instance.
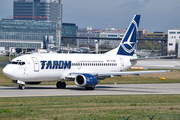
(128, 43)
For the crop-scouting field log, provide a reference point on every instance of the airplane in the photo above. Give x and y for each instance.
(84, 69)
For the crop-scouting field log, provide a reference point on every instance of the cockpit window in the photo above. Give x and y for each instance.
(19, 63)
(14, 63)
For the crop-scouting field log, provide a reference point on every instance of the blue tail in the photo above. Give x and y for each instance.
(128, 43)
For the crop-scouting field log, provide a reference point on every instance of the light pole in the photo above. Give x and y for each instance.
(96, 44)
(58, 32)
(160, 47)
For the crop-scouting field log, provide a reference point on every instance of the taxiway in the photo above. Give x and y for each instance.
(72, 90)
(159, 63)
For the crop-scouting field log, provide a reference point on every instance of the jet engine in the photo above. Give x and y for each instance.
(86, 80)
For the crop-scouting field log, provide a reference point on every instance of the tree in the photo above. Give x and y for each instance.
(82, 45)
(149, 46)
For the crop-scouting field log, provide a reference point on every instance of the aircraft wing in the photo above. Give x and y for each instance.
(131, 73)
(111, 74)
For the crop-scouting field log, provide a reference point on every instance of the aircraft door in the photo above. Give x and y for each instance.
(79, 64)
(36, 64)
(122, 64)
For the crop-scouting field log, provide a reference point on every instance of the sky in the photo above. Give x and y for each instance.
(156, 15)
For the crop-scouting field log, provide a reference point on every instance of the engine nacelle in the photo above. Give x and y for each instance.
(86, 80)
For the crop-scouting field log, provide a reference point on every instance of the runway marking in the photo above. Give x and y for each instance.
(101, 90)
(74, 95)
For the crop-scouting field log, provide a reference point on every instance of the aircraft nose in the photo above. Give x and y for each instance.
(8, 71)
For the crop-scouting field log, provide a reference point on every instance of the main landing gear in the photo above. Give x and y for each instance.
(22, 87)
(61, 85)
(89, 88)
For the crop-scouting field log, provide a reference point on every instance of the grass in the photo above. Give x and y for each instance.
(162, 107)
(5, 58)
(170, 77)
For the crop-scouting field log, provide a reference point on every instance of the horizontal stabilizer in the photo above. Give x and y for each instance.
(136, 59)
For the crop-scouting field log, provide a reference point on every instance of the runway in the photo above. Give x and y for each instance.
(100, 90)
(159, 63)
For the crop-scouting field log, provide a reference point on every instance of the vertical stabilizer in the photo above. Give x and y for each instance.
(128, 43)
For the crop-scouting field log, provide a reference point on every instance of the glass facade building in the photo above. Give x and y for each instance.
(69, 29)
(32, 34)
(26, 30)
(23, 8)
(32, 9)
(26, 34)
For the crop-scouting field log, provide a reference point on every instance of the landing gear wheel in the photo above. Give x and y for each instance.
(89, 88)
(22, 87)
(61, 85)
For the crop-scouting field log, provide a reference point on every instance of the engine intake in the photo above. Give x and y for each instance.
(86, 80)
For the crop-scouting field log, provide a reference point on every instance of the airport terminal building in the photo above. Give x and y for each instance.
(111, 34)
(174, 42)
(115, 33)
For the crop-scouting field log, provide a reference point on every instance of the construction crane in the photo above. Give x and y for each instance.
(39, 17)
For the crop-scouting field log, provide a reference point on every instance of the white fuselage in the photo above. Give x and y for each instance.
(55, 67)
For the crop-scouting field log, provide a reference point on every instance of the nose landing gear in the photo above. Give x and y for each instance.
(21, 84)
